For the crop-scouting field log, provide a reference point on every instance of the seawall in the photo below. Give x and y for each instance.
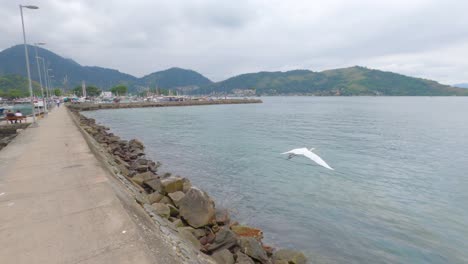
(92, 106)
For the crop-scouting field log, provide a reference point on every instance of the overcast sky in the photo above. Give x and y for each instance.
(423, 38)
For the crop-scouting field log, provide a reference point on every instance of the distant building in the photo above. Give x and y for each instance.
(106, 94)
(244, 92)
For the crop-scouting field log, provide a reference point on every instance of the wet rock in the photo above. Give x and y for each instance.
(224, 239)
(135, 143)
(113, 139)
(222, 217)
(153, 166)
(137, 153)
(155, 197)
(162, 209)
(199, 232)
(246, 231)
(289, 256)
(114, 147)
(223, 256)
(139, 168)
(243, 259)
(154, 184)
(252, 248)
(187, 185)
(142, 177)
(197, 208)
(208, 239)
(269, 250)
(176, 197)
(172, 184)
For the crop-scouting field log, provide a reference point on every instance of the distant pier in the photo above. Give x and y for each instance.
(94, 106)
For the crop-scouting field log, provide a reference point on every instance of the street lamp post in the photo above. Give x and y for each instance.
(50, 78)
(27, 61)
(40, 78)
(45, 77)
(46, 83)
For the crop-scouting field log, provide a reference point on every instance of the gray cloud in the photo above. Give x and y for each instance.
(424, 38)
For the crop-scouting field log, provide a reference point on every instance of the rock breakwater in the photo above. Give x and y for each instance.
(187, 210)
(92, 106)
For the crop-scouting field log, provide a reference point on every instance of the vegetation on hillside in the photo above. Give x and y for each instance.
(16, 86)
(119, 89)
(67, 72)
(172, 78)
(57, 92)
(90, 91)
(348, 81)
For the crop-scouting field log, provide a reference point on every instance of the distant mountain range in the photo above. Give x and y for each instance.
(461, 85)
(12, 62)
(348, 81)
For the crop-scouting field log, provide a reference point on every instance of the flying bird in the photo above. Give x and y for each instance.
(309, 154)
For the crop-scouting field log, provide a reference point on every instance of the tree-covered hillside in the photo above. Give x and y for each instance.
(16, 86)
(68, 73)
(173, 78)
(348, 81)
(12, 61)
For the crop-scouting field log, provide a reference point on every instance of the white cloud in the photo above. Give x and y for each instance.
(424, 38)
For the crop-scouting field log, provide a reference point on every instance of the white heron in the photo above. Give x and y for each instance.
(309, 154)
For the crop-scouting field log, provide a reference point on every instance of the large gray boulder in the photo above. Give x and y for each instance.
(197, 208)
(155, 197)
(176, 197)
(252, 248)
(142, 177)
(172, 184)
(224, 239)
(223, 256)
(154, 184)
(243, 259)
(136, 144)
(289, 256)
(162, 209)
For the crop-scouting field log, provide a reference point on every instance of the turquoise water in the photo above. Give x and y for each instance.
(399, 192)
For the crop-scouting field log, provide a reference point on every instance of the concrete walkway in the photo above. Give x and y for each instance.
(58, 205)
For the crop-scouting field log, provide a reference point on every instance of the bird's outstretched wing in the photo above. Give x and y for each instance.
(309, 154)
(317, 159)
(298, 151)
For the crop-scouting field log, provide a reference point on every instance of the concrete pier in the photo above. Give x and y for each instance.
(58, 205)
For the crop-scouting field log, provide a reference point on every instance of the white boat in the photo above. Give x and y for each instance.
(39, 104)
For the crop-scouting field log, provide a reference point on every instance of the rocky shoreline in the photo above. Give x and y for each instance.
(9, 131)
(92, 106)
(181, 208)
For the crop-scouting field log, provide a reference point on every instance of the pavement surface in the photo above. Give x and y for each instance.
(58, 205)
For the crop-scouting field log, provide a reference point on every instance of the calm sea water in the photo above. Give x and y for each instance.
(399, 193)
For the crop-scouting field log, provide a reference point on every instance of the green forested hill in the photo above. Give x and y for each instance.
(348, 81)
(172, 78)
(12, 61)
(16, 86)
